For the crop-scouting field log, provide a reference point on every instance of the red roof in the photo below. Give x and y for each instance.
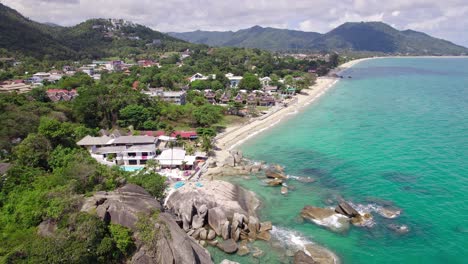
(184, 134)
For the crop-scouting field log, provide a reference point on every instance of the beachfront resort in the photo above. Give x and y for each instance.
(166, 153)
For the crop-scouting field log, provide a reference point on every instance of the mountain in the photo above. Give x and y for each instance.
(95, 38)
(376, 37)
(255, 37)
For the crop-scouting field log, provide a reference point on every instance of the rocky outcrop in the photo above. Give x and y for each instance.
(302, 258)
(275, 172)
(326, 217)
(123, 207)
(216, 219)
(229, 246)
(227, 197)
(321, 255)
(345, 209)
(274, 182)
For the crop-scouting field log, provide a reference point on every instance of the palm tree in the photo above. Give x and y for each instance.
(207, 145)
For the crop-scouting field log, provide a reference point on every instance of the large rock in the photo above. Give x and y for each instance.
(253, 225)
(216, 219)
(235, 234)
(274, 182)
(200, 217)
(173, 246)
(345, 209)
(123, 207)
(211, 235)
(226, 230)
(243, 249)
(265, 235)
(230, 161)
(321, 255)
(326, 217)
(302, 258)
(229, 246)
(265, 226)
(47, 228)
(238, 220)
(203, 234)
(228, 197)
(274, 174)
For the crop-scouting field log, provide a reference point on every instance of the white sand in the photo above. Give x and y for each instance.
(236, 135)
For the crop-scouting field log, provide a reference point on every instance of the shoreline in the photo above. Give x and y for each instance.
(236, 135)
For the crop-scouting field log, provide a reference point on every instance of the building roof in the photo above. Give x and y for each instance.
(185, 134)
(93, 141)
(134, 140)
(171, 157)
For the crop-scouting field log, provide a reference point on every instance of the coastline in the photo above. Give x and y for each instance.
(238, 134)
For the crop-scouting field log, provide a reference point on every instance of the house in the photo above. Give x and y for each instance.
(210, 96)
(225, 98)
(56, 95)
(267, 100)
(270, 89)
(146, 63)
(185, 134)
(252, 99)
(175, 158)
(239, 98)
(122, 150)
(175, 97)
(265, 81)
(198, 76)
(41, 75)
(234, 80)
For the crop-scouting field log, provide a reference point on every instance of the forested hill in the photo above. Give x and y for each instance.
(375, 37)
(94, 38)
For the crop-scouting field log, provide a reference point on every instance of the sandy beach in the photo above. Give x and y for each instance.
(236, 135)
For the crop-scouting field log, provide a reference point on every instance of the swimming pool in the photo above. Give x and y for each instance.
(131, 168)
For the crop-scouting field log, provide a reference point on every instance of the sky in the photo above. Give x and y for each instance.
(447, 19)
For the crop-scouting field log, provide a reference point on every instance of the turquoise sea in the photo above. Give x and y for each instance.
(395, 133)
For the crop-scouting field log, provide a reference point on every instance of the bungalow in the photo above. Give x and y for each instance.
(234, 80)
(210, 96)
(225, 98)
(270, 89)
(267, 100)
(252, 99)
(239, 98)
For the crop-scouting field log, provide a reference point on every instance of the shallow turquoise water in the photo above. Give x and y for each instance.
(397, 131)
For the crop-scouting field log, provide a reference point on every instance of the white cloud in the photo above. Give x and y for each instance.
(447, 19)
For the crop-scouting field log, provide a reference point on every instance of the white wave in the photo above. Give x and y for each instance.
(369, 208)
(290, 239)
(335, 221)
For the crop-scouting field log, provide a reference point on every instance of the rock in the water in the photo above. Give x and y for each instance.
(265, 235)
(216, 219)
(226, 230)
(243, 249)
(400, 229)
(211, 235)
(265, 226)
(326, 217)
(389, 213)
(364, 220)
(321, 255)
(229, 246)
(272, 174)
(274, 182)
(257, 252)
(226, 261)
(284, 190)
(302, 258)
(345, 209)
(254, 226)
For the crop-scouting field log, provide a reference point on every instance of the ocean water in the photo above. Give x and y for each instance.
(395, 134)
